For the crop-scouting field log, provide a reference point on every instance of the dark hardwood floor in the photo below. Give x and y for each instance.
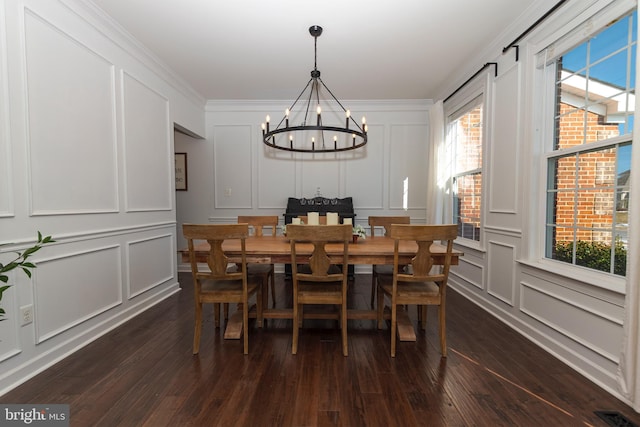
(143, 374)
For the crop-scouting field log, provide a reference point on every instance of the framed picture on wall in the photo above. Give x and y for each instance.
(181, 171)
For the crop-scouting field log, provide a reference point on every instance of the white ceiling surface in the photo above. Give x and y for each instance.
(370, 49)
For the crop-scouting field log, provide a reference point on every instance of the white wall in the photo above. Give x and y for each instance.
(86, 155)
(233, 173)
(578, 318)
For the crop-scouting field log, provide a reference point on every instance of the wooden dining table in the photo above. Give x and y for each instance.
(277, 250)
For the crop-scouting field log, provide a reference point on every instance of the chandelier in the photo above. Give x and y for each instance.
(303, 128)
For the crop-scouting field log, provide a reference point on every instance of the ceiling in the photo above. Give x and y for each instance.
(258, 49)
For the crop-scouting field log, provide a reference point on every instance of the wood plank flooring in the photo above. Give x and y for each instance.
(143, 374)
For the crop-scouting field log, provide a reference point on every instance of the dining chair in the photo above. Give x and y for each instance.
(384, 222)
(320, 284)
(266, 272)
(418, 284)
(222, 283)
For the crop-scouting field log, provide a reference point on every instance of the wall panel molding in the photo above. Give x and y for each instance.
(503, 181)
(567, 318)
(469, 272)
(81, 86)
(501, 272)
(232, 153)
(147, 134)
(6, 170)
(85, 283)
(408, 156)
(150, 262)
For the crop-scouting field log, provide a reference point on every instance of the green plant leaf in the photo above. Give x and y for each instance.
(27, 272)
(4, 278)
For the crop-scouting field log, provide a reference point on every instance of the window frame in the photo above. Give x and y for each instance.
(474, 93)
(559, 45)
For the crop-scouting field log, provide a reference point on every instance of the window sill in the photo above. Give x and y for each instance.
(586, 275)
(467, 243)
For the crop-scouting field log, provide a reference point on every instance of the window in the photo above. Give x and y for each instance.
(465, 137)
(589, 157)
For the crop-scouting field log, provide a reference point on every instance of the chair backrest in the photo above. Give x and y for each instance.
(259, 223)
(319, 262)
(386, 221)
(215, 235)
(422, 263)
(322, 219)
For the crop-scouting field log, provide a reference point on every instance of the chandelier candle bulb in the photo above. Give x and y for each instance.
(335, 142)
(319, 110)
(268, 118)
(348, 114)
(286, 113)
(291, 141)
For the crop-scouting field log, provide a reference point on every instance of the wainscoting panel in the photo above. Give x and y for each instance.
(72, 162)
(147, 147)
(468, 271)
(501, 274)
(277, 176)
(232, 166)
(84, 284)
(6, 189)
(408, 166)
(503, 180)
(575, 316)
(320, 175)
(10, 344)
(150, 263)
(365, 173)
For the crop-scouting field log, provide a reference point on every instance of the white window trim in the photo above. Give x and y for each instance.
(592, 20)
(454, 108)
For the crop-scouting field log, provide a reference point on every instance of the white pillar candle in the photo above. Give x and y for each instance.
(346, 221)
(332, 218)
(295, 220)
(313, 218)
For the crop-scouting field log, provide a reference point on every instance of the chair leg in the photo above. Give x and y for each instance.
(422, 310)
(373, 285)
(443, 334)
(197, 330)
(294, 342)
(343, 324)
(259, 307)
(245, 325)
(380, 307)
(394, 314)
(272, 277)
(216, 314)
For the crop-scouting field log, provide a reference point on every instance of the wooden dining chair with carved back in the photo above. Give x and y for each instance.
(421, 283)
(320, 283)
(266, 272)
(222, 284)
(384, 222)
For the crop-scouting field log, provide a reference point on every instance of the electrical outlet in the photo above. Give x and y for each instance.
(227, 192)
(27, 314)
